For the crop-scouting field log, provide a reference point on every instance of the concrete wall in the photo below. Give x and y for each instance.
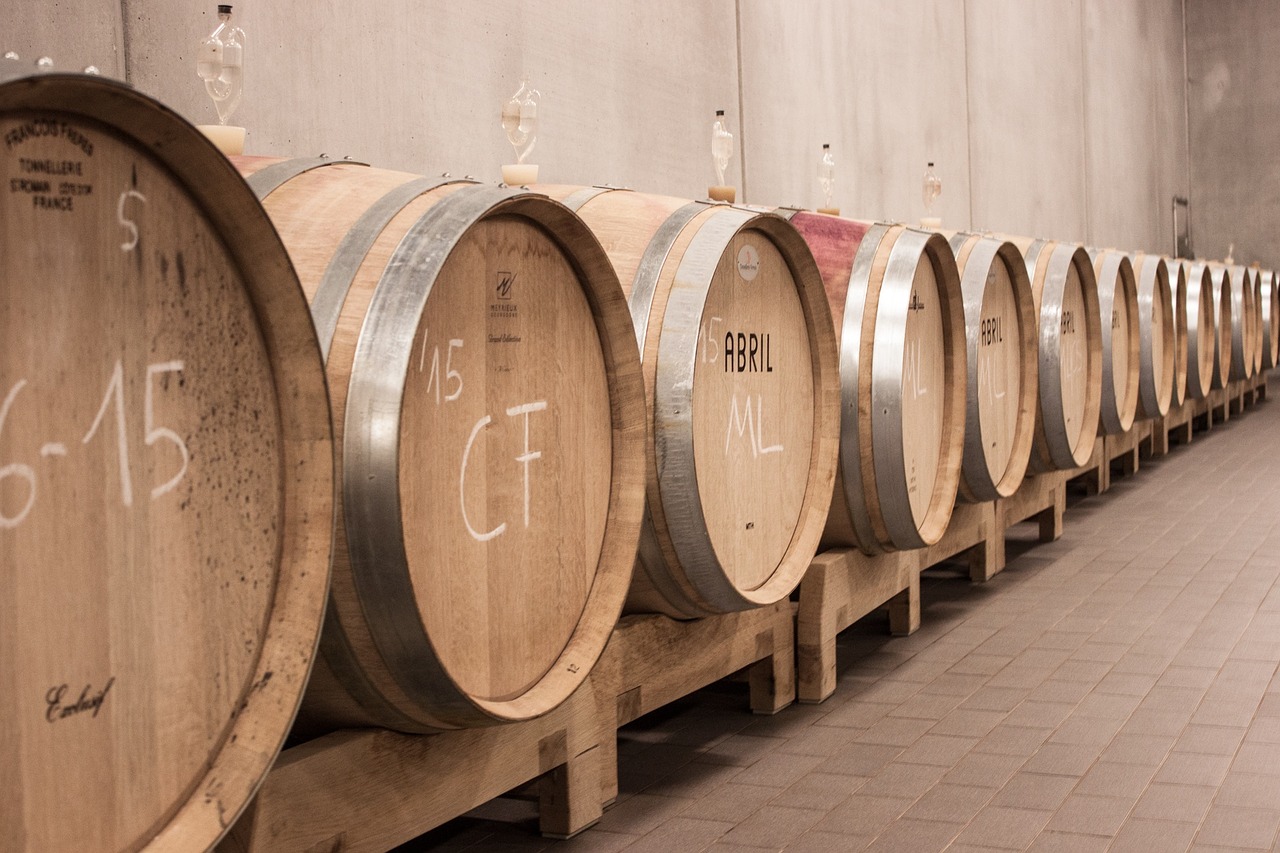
(1050, 117)
(1234, 105)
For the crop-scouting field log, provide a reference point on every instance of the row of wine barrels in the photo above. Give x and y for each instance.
(1270, 304)
(1158, 339)
(1201, 328)
(1177, 271)
(895, 299)
(1002, 357)
(1225, 311)
(489, 411)
(1070, 353)
(167, 477)
(1121, 340)
(741, 371)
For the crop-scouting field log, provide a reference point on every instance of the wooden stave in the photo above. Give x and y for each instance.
(343, 690)
(677, 571)
(977, 484)
(1201, 311)
(1118, 415)
(1155, 382)
(1048, 263)
(860, 514)
(261, 721)
(1178, 269)
(1242, 319)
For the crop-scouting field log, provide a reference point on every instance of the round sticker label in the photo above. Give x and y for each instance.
(748, 262)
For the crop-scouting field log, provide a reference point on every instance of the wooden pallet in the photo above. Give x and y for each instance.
(371, 789)
(844, 585)
(652, 660)
(1096, 474)
(1213, 409)
(1176, 427)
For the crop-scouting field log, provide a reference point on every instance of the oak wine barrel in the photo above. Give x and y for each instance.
(1178, 269)
(1224, 311)
(1242, 323)
(1202, 333)
(741, 375)
(166, 477)
(490, 415)
(1157, 335)
(1002, 353)
(1070, 387)
(1269, 302)
(897, 305)
(1259, 343)
(1121, 339)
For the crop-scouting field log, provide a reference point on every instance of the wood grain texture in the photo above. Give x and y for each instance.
(168, 477)
(491, 555)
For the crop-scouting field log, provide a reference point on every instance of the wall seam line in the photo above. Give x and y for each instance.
(742, 115)
(1186, 126)
(968, 114)
(1089, 236)
(126, 56)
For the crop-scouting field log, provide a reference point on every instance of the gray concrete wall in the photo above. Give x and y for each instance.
(1234, 105)
(1050, 117)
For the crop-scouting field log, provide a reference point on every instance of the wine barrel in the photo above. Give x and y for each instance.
(1070, 387)
(896, 299)
(1002, 354)
(1178, 269)
(1259, 341)
(1121, 340)
(1156, 329)
(487, 398)
(1202, 332)
(1270, 304)
(1224, 305)
(166, 477)
(1243, 334)
(741, 373)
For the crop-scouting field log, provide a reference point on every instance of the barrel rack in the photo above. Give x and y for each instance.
(371, 789)
(844, 585)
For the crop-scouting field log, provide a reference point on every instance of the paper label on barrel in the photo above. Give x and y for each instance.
(748, 262)
(139, 480)
(752, 409)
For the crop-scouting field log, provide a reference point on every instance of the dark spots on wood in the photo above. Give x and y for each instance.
(181, 263)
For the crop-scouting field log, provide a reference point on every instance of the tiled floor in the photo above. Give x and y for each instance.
(1116, 690)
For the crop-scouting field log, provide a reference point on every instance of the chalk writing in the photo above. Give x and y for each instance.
(748, 422)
